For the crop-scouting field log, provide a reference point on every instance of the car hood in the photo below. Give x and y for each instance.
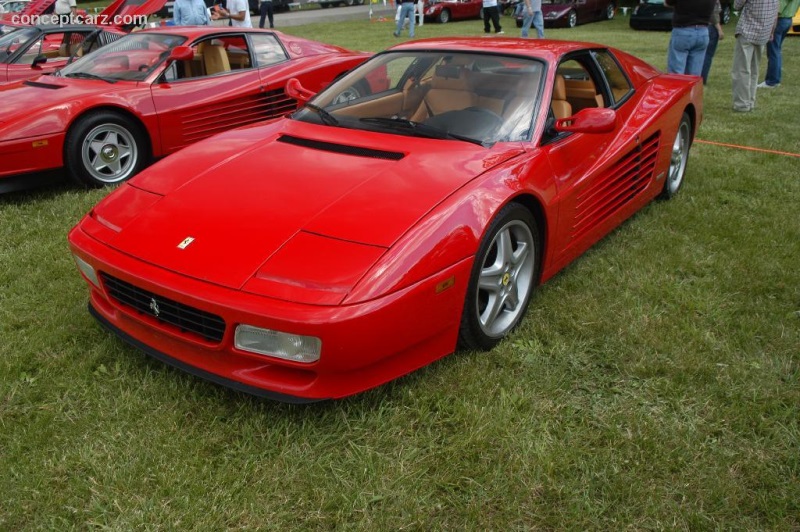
(555, 10)
(288, 196)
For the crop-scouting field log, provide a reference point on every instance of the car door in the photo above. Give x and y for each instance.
(600, 176)
(219, 89)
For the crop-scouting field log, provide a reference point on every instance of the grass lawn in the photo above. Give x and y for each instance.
(655, 383)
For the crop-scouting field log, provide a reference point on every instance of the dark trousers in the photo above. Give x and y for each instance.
(266, 11)
(493, 14)
(713, 40)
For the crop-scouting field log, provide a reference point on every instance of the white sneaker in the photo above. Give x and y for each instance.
(500, 32)
(764, 85)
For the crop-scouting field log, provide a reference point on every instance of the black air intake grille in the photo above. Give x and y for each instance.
(183, 317)
(342, 148)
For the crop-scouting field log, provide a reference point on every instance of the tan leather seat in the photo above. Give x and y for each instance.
(450, 91)
(215, 59)
(560, 106)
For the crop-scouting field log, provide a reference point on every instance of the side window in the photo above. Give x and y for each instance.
(217, 55)
(617, 80)
(580, 89)
(53, 46)
(267, 50)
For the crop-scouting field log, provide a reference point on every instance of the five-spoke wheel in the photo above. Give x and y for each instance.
(504, 274)
(678, 158)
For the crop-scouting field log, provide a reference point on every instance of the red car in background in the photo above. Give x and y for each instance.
(30, 51)
(107, 115)
(570, 13)
(322, 254)
(446, 10)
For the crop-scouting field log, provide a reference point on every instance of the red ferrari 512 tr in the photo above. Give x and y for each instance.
(364, 237)
(107, 115)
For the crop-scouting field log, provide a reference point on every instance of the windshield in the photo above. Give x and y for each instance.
(447, 95)
(11, 38)
(131, 58)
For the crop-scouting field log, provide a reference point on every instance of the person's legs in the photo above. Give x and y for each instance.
(697, 51)
(774, 56)
(538, 23)
(713, 41)
(526, 24)
(262, 8)
(412, 19)
(270, 15)
(740, 74)
(496, 19)
(678, 50)
(486, 18)
(755, 60)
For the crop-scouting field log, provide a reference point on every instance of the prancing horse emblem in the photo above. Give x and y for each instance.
(186, 241)
(154, 307)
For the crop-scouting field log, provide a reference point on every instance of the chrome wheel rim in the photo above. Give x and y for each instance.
(109, 153)
(573, 20)
(610, 12)
(505, 279)
(678, 158)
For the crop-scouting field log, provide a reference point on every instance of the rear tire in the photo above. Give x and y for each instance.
(105, 148)
(504, 273)
(678, 158)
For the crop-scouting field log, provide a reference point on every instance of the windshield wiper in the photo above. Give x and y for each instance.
(87, 75)
(324, 115)
(420, 129)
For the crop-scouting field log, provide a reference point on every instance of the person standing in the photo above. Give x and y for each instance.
(66, 10)
(786, 11)
(532, 13)
(406, 10)
(689, 39)
(491, 12)
(715, 34)
(266, 12)
(237, 11)
(757, 20)
(190, 13)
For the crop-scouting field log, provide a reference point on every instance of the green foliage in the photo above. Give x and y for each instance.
(654, 384)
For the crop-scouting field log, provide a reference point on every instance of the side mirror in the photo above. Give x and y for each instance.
(38, 60)
(590, 120)
(180, 53)
(294, 89)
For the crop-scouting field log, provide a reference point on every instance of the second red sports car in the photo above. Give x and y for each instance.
(320, 255)
(107, 115)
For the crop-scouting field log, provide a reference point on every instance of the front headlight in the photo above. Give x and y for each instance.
(295, 347)
(87, 270)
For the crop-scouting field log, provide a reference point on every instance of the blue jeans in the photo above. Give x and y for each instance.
(538, 23)
(406, 10)
(687, 50)
(713, 41)
(774, 59)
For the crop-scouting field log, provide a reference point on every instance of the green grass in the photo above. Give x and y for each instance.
(654, 384)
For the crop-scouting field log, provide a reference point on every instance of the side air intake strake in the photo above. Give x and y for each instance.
(341, 148)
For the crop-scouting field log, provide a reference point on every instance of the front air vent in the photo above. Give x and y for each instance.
(341, 148)
(41, 85)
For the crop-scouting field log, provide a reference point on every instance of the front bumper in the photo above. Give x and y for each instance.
(363, 345)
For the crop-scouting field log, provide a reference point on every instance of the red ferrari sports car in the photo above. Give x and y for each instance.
(106, 115)
(392, 227)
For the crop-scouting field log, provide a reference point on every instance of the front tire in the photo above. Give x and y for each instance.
(610, 10)
(678, 158)
(505, 271)
(444, 16)
(105, 148)
(572, 19)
